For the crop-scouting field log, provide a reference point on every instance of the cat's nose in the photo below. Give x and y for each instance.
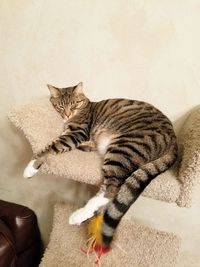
(67, 113)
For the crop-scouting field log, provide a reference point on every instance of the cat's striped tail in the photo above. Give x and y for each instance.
(132, 188)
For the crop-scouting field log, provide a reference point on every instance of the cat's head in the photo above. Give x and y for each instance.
(68, 101)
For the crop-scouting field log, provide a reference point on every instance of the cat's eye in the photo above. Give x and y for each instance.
(61, 109)
(73, 107)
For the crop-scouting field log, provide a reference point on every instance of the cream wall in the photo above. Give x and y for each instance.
(138, 49)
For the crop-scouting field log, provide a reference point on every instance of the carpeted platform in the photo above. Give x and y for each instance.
(135, 245)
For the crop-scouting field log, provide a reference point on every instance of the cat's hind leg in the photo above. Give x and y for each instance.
(88, 211)
(114, 174)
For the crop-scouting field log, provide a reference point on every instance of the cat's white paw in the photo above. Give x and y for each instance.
(29, 171)
(89, 210)
(80, 216)
(97, 202)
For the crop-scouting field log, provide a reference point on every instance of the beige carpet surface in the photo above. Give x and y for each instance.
(135, 245)
(41, 124)
(189, 173)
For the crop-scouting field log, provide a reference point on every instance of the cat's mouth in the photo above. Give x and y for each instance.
(65, 118)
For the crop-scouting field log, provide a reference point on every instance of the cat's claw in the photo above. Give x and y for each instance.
(29, 171)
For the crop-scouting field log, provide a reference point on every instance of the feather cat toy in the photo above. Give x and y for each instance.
(96, 245)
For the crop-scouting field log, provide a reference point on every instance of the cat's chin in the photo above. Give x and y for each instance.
(30, 171)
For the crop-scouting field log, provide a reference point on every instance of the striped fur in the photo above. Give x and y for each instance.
(136, 141)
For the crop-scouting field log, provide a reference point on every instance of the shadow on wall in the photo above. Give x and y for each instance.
(15, 148)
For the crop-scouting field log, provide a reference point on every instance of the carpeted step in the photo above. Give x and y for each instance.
(135, 245)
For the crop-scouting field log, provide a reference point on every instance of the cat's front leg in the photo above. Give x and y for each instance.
(34, 165)
(88, 146)
(32, 168)
(64, 143)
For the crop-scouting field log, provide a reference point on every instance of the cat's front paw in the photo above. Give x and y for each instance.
(80, 216)
(31, 169)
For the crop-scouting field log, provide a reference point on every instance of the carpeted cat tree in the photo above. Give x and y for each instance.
(135, 245)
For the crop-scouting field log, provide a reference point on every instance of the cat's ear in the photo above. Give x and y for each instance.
(78, 89)
(54, 91)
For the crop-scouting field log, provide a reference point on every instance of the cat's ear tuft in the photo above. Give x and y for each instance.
(78, 89)
(54, 91)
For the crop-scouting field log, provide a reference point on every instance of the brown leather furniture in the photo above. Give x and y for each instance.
(20, 242)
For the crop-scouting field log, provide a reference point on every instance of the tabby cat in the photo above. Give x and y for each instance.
(136, 142)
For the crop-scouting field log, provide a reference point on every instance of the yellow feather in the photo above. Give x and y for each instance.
(94, 228)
